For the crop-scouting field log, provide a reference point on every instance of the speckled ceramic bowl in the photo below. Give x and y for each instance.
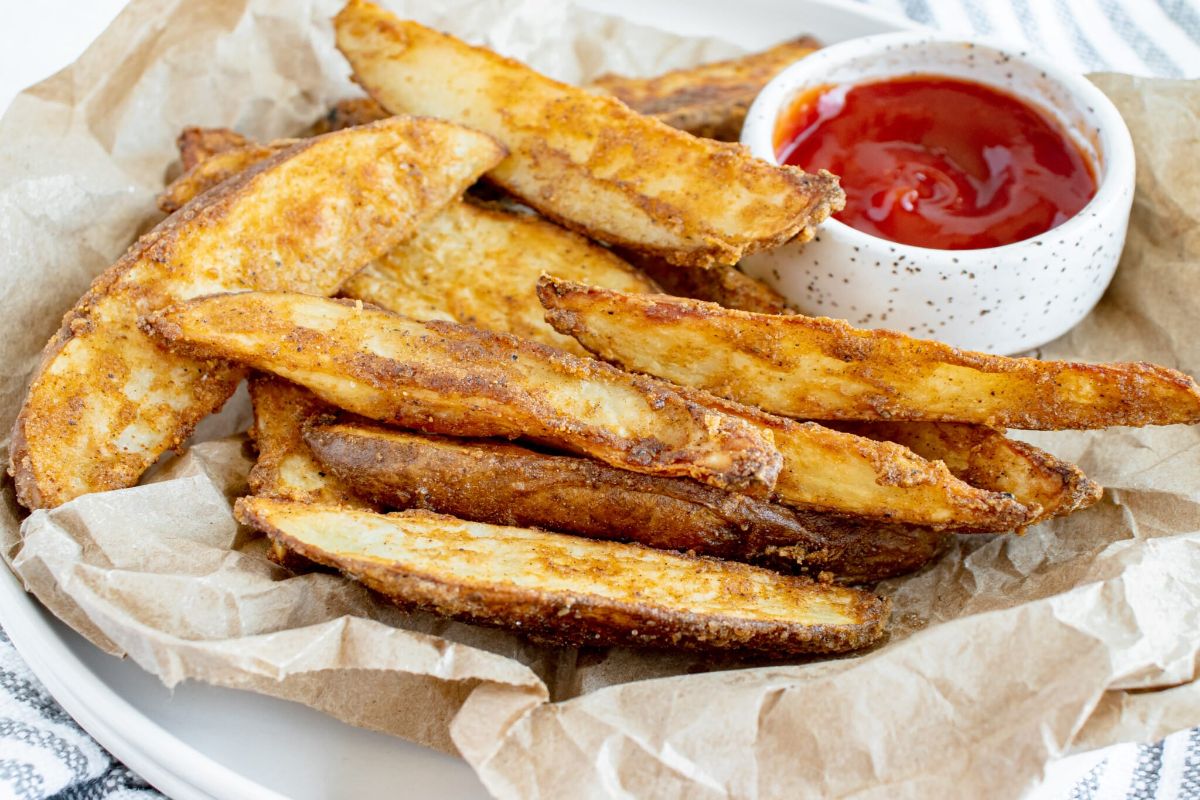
(1005, 299)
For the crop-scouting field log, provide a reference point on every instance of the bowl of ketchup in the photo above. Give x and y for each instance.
(987, 191)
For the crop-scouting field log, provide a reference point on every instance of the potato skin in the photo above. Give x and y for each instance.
(505, 484)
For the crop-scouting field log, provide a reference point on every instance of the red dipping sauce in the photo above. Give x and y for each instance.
(938, 162)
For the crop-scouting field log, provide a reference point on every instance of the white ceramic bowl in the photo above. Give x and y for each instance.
(1005, 299)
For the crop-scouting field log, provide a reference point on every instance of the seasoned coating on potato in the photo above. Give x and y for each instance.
(817, 368)
(286, 468)
(200, 144)
(828, 470)
(723, 285)
(585, 160)
(442, 377)
(480, 266)
(710, 100)
(505, 484)
(106, 401)
(349, 113)
(473, 264)
(986, 458)
(215, 169)
(571, 590)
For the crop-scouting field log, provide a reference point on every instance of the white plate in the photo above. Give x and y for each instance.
(202, 741)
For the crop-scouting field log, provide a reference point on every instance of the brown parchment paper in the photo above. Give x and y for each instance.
(1010, 652)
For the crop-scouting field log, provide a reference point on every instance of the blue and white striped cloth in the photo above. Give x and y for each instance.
(44, 754)
(1141, 37)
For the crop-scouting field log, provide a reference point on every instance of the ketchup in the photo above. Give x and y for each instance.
(938, 162)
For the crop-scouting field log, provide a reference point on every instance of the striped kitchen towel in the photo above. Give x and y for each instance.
(1141, 37)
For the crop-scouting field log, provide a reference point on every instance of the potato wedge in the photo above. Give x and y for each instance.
(442, 377)
(816, 368)
(480, 266)
(505, 484)
(988, 459)
(286, 468)
(106, 401)
(832, 471)
(584, 160)
(200, 144)
(723, 285)
(471, 264)
(571, 590)
(349, 113)
(215, 168)
(710, 100)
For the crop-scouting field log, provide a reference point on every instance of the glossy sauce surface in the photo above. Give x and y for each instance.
(938, 162)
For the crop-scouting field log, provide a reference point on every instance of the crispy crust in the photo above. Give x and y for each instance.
(208, 170)
(710, 100)
(570, 590)
(723, 285)
(285, 468)
(505, 484)
(200, 144)
(584, 160)
(816, 368)
(349, 113)
(986, 458)
(447, 378)
(106, 401)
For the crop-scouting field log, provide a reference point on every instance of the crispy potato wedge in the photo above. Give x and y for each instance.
(480, 266)
(832, 471)
(585, 160)
(200, 144)
(442, 377)
(988, 459)
(285, 468)
(723, 285)
(472, 264)
(505, 484)
(106, 401)
(215, 168)
(348, 114)
(571, 590)
(710, 100)
(816, 368)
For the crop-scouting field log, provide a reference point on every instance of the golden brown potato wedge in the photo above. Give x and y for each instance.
(349, 113)
(442, 377)
(471, 264)
(215, 168)
(816, 368)
(286, 468)
(505, 484)
(585, 160)
(988, 459)
(480, 266)
(200, 144)
(106, 401)
(723, 285)
(710, 100)
(572, 590)
(828, 470)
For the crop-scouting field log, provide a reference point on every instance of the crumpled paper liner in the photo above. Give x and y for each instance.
(1006, 654)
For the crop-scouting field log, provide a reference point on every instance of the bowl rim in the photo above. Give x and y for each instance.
(1115, 172)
